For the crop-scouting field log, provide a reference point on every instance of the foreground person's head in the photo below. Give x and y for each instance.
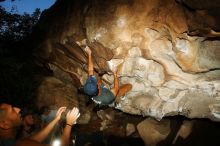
(10, 117)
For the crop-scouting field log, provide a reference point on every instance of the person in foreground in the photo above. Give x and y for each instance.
(101, 94)
(10, 121)
(28, 127)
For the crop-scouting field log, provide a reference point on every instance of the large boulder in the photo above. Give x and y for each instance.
(168, 50)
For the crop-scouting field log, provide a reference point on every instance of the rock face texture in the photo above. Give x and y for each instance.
(168, 50)
(158, 131)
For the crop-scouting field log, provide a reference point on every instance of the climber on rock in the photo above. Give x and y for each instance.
(98, 91)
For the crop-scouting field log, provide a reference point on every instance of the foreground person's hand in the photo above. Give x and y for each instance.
(59, 112)
(72, 116)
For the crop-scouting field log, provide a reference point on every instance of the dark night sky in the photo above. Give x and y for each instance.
(27, 5)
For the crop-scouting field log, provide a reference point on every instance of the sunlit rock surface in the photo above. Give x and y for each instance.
(168, 50)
